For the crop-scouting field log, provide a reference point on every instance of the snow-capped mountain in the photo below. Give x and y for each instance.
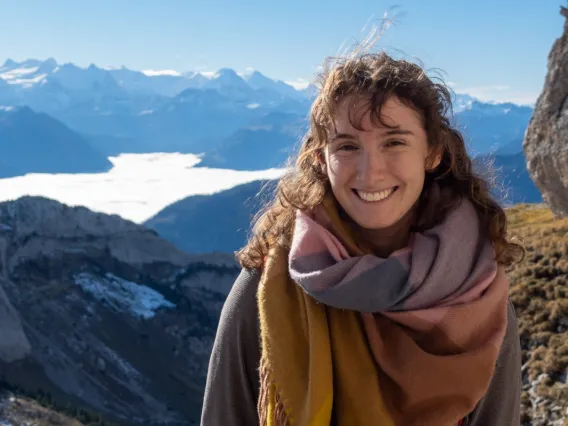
(31, 72)
(195, 112)
(489, 127)
(462, 102)
(259, 81)
(25, 74)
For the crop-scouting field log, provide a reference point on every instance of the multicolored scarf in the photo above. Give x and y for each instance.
(411, 339)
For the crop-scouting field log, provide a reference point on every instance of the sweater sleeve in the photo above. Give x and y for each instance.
(501, 406)
(231, 392)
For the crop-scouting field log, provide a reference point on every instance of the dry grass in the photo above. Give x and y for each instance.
(539, 291)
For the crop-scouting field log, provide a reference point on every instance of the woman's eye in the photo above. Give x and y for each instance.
(394, 143)
(347, 147)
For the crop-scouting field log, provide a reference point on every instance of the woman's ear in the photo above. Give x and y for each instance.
(433, 161)
(320, 156)
(320, 162)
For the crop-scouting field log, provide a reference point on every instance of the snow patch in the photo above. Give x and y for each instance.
(18, 72)
(209, 74)
(298, 84)
(146, 112)
(6, 108)
(123, 296)
(253, 106)
(25, 82)
(155, 73)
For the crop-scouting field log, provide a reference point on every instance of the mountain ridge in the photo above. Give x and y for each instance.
(104, 314)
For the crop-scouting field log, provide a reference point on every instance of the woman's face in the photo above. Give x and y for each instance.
(377, 174)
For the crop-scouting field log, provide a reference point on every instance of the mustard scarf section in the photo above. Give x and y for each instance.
(315, 360)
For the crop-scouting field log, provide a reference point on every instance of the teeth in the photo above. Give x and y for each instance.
(375, 196)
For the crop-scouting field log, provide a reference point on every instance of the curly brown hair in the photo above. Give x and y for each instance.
(378, 76)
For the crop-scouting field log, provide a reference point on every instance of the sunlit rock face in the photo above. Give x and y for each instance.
(546, 139)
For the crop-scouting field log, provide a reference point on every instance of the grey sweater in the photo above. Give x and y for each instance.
(232, 388)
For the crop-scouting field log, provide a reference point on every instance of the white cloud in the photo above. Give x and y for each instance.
(154, 73)
(136, 188)
(497, 93)
(298, 84)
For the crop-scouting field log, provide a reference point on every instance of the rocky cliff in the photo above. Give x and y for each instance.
(101, 313)
(546, 139)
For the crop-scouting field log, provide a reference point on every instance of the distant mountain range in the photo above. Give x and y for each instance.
(489, 127)
(37, 143)
(266, 143)
(188, 112)
(123, 110)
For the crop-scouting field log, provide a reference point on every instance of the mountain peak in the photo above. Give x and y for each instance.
(9, 63)
(18, 111)
(227, 72)
(50, 61)
(48, 66)
(256, 77)
(228, 75)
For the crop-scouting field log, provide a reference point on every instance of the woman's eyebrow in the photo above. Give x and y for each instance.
(391, 132)
(338, 136)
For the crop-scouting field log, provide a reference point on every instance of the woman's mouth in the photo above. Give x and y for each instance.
(373, 197)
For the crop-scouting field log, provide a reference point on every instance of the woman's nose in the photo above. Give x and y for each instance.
(371, 166)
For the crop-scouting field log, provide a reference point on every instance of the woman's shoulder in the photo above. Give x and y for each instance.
(243, 292)
(239, 316)
(232, 386)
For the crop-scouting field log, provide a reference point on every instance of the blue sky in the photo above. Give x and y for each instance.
(491, 49)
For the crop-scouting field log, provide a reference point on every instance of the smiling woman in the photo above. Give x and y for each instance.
(374, 281)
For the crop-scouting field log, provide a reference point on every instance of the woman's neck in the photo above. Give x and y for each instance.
(383, 242)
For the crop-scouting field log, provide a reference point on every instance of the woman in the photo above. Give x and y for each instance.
(373, 289)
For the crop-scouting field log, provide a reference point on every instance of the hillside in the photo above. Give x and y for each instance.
(101, 314)
(209, 223)
(539, 291)
(19, 410)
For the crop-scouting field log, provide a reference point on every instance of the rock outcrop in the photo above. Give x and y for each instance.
(101, 313)
(546, 139)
